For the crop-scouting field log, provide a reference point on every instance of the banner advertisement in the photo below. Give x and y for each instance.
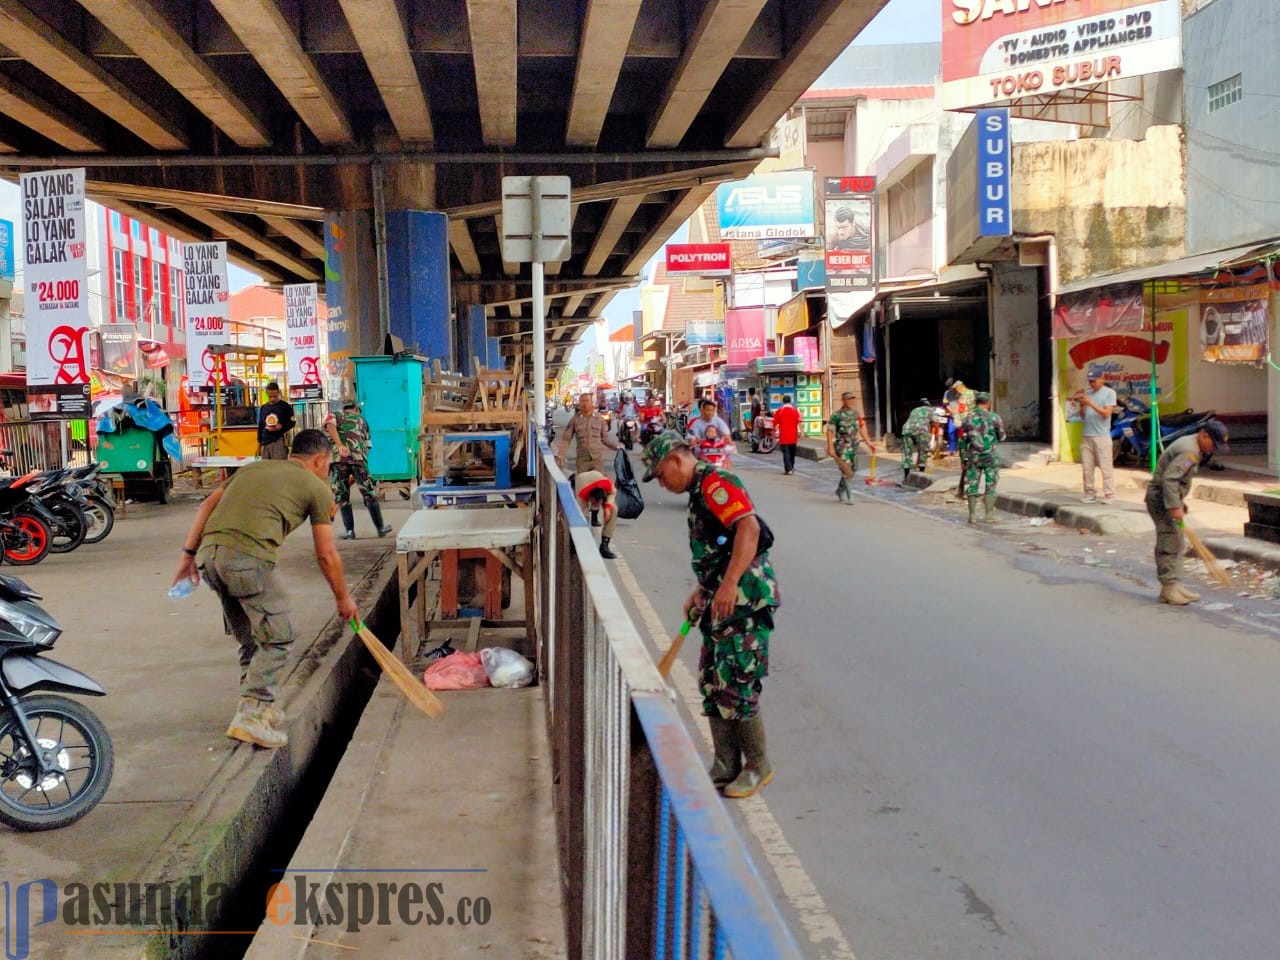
(1233, 324)
(208, 308)
(850, 233)
(791, 140)
(340, 343)
(6, 250)
(702, 259)
(793, 316)
(996, 51)
(119, 353)
(1113, 309)
(59, 335)
(767, 206)
(744, 335)
(704, 333)
(302, 340)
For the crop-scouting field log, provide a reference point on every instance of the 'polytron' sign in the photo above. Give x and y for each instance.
(995, 209)
(997, 51)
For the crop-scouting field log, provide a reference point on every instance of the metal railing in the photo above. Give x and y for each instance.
(42, 445)
(651, 863)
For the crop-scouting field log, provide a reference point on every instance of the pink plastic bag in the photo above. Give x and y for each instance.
(458, 671)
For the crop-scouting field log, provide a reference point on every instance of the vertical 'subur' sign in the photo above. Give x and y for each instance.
(302, 341)
(56, 281)
(208, 305)
(995, 207)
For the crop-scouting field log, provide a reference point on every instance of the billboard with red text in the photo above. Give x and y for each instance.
(995, 51)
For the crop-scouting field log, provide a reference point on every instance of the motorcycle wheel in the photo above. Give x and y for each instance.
(72, 526)
(768, 444)
(102, 519)
(26, 540)
(74, 735)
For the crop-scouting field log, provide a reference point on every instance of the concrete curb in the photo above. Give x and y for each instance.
(1247, 550)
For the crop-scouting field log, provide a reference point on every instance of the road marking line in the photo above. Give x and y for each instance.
(819, 925)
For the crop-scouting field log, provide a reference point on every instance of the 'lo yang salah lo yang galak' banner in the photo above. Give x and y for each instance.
(56, 288)
(302, 341)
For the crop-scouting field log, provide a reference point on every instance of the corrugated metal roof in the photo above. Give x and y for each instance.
(1186, 266)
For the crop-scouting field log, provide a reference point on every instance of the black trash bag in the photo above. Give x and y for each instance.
(627, 490)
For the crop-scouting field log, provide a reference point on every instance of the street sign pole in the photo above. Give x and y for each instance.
(536, 220)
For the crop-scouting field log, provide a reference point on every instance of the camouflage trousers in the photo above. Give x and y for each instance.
(255, 609)
(914, 445)
(734, 659)
(847, 462)
(976, 473)
(1169, 545)
(346, 472)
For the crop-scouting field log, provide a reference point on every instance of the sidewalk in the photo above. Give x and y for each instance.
(187, 802)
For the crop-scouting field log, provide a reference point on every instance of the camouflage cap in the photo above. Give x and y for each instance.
(981, 396)
(658, 448)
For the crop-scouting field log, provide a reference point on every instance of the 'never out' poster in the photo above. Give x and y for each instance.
(302, 341)
(56, 286)
(208, 303)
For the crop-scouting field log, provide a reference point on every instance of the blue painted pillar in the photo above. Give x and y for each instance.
(418, 283)
(477, 337)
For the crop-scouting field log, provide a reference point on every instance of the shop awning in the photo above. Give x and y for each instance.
(1185, 267)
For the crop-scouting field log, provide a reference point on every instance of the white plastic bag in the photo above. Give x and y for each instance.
(506, 668)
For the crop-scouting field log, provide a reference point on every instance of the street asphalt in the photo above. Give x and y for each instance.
(994, 742)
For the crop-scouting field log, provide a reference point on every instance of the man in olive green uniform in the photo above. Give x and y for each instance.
(915, 437)
(349, 433)
(1167, 503)
(234, 540)
(733, 605)
(980, 438)
(843, 438)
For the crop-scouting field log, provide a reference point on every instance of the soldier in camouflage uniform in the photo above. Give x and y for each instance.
(980, 437)
(733, 605)
(915, 437)
(349, 433)
(1167, 492)
(842, 444)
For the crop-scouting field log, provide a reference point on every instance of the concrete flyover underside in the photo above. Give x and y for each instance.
(245, 120)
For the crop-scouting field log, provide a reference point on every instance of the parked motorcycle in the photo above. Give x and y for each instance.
(940, 431)
(713, 449)
(764, 437)
(1131, 428)
(56, 757)
(550, 426)
(25, 533)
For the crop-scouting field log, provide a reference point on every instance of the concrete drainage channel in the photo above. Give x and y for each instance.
(245, 829)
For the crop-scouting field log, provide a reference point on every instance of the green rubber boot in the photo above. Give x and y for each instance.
(756, 769)
(973, 510)
(989, 507)
(728, 761)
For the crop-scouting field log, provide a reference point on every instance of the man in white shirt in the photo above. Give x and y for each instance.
(709, 418)
(1097, 404)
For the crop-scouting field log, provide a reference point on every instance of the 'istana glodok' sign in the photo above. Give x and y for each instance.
(56, 282)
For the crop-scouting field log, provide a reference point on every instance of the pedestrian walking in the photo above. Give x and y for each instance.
(915, 437)
(275, 420)
(598, 496)
(733, 605)
(234, 540)
(843, 437)
(1097, 404)
(349, 433)
(590, 435)
(980, 438)
(1167, 504)
(786, 420)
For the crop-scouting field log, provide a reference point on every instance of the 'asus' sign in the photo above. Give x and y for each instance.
(764, 198)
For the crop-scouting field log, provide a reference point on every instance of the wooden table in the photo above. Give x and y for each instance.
(503, 534)
(431, 495)
(225, 465)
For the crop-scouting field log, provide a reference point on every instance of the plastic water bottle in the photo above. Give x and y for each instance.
(183, 588)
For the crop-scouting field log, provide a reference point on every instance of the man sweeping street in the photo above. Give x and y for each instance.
(733, 605)
(1167, 492)
(915, 437)
(980, 437)
(843, 438)
(234, 540)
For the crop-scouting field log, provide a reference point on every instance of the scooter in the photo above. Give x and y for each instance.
(652, 425)
(56, 757)
(940, 431)
(764, 438)
(1131, 428)
(714, 450)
